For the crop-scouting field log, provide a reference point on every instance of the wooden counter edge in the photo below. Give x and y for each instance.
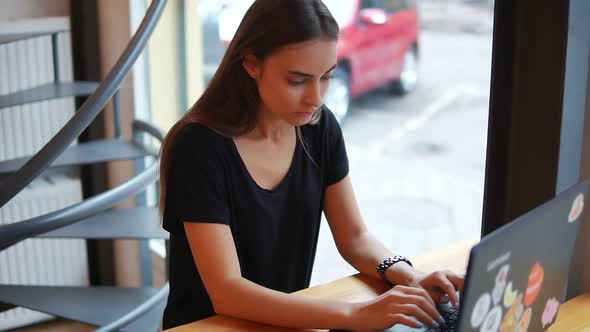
(354, 288)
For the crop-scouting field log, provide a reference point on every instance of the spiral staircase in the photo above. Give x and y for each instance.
(108, 308)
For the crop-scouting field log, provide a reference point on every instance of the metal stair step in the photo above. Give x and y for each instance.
(12, 37)
(48, 91)
(87, 153)
(134, 223)
(97, 305)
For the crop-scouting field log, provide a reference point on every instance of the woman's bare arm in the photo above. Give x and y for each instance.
(354, 242)
(214, 253)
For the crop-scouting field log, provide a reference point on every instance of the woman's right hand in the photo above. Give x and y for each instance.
(409, 306)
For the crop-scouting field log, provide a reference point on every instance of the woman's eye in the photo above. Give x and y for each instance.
(296, 83)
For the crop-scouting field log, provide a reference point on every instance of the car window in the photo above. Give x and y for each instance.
(369, 4)
(392, 6)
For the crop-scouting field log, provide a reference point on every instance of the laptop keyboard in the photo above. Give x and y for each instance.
(450, 315)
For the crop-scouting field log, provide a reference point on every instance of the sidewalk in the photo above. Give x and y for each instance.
(458, 16)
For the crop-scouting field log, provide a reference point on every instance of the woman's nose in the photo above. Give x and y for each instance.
(313, 95)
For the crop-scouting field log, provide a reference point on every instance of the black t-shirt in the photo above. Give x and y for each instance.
(275, 231)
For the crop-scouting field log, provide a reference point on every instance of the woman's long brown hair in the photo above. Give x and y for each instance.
(229, 104)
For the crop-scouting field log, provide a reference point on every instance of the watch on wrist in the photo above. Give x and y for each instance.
(381, 268)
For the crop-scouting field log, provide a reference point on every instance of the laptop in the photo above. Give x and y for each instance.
(517, 276)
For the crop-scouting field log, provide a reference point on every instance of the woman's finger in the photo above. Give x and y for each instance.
(457, 280)
(426, 306)
(405, 320)
(416, 311)
(419, 291)
(439, 297)
(447, 287)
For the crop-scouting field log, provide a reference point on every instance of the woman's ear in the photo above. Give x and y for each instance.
(251, 65)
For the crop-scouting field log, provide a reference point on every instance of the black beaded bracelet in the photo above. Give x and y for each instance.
(389, 262)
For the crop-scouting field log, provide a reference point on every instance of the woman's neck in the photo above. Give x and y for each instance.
(271, 127)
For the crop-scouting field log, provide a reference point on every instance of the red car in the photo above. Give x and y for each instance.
(378, 46)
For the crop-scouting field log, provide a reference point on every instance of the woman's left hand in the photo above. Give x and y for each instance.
(440, 285)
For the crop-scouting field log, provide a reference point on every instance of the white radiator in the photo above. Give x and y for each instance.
(25, 64)
(23, 131)
(41, 261)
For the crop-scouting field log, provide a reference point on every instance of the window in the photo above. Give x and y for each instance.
(417, 162)
(369, 4)
(343, 11)
(392, 6)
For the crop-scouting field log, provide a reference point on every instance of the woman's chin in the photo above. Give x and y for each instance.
(301, 119)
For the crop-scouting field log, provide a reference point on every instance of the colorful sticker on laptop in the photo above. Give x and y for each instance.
(534, 284)
(492, 321)
(525, 320)
(509, 295)
(551, 309)
(480, 310)
(577, 208)
(512, 317)
(500, 284)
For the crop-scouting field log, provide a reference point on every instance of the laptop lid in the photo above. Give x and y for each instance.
(517, 275)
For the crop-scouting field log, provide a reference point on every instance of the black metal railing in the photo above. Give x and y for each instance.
(13, 233)
(87, 112)
(137, 312)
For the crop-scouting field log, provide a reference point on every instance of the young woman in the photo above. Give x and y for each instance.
(246, 174)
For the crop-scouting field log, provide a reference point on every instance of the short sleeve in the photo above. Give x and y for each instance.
(336, 163)
(196, 190)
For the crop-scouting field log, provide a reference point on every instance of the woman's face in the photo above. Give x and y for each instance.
(292, 81)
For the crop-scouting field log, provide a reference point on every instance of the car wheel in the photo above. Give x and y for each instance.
(408, 78)
(337, 98)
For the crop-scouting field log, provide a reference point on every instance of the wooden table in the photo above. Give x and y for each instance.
(574, 315)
